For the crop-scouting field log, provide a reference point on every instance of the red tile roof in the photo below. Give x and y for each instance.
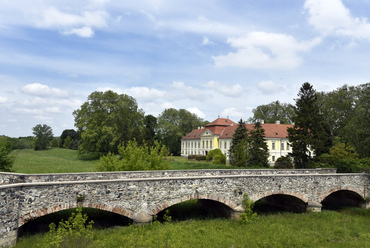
(225, 128)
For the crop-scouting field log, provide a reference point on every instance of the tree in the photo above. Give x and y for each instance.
(310, 133)
(44, 135)
(71, 133)
(150, 125)
(6, 161)
(272, 112)
(106, 121)
(239, 146)
(174, 124)
(258, 150)
(216, 157)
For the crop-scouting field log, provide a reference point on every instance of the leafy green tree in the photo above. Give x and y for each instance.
(174, 124)
(258, 151)
(44, 135)
(310, 132)
(6, 161)
(216, 157)
(150, 125)
(239, 150)
(107, 120)
(134, 157)
(284, 162)
(71, 133)
(54, 142)
(272, 112)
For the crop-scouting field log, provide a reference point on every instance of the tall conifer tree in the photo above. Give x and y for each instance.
(258, 150)
(239, 147)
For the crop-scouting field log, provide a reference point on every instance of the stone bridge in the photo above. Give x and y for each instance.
(141, 195)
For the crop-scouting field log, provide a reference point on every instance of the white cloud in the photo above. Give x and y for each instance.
(43, 90)
(231, 112)
(180, 90)
(265, 50)
(206, 41)
(227, 90)
(84, 32)
(3, 99)
(145, 94)
(197, 112)
(268, 87)
(331, 17)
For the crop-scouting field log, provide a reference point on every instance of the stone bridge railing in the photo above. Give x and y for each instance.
(140, 198)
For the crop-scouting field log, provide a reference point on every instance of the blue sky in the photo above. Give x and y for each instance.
(214, 58)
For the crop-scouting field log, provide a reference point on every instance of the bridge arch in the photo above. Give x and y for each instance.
(258, 196)
(160, 207)
(42, 212)
(337, 189)
(342, 197)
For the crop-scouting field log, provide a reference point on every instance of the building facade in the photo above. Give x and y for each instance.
(219, 133)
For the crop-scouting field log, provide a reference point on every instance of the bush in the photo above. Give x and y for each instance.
(73, 232)
(284, 162)
(6, 161)
(197, 157)
(349, 166)
(216, 156)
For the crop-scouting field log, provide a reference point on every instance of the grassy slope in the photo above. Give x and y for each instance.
(54, 160)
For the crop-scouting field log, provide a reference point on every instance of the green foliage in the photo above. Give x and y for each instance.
(216, 157)
(44, 135)
(272, 112)
(343, 151)
(284, 162)
(197, 157)
(106, 121)
(74, 232)
(6, 161)
(173, 125)
(133, 157)
(248, 214)
(54, 142)
(258, 151)
(239, 154)
(310, 130)
(150, 125)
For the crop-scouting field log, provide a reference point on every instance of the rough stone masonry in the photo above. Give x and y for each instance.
(141, 195)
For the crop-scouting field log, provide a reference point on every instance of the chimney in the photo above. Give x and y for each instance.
(277, 122)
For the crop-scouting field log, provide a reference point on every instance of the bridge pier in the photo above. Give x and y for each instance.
(314, 207)
(142, 217)
(365, 205)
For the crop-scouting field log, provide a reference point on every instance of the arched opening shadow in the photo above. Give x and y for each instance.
(102, 219)
(342, 199)
(196, 209)
(279, 203)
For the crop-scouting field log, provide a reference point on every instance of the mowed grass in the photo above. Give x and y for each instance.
(55, 160)
(348, 228)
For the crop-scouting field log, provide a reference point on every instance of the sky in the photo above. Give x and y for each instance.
(215, 58)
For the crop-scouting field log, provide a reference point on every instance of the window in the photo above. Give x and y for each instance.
(273, 146)
(210, 144)
(207, 144)
(203, 143)
(273, 158)
(282, 146)
(225, 144)
(287, 146)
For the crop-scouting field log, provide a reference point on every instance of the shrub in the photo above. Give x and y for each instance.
(248, 215)
(73, 232)
(216, 156)
(6, 161)
(196, 157)
(349, 166)
(284, 162)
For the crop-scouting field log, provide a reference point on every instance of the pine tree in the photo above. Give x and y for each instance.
(239, 147)
(258, 151)
(309, 136)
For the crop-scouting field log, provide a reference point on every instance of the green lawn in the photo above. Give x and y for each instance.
(55, 160)
(348, 228)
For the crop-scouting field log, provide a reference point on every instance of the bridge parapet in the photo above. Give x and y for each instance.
(11, 178)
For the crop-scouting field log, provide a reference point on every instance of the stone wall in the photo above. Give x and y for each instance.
(10, 178)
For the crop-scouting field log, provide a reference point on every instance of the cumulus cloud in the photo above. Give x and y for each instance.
(227, 90)
(182, 91)
(145, 94)
(3, 99)
(197, 112)
(43, 90)
(260, 50)
(231, 112)
(331, 17)
(79, 24)
(268, 87)
(206, 41)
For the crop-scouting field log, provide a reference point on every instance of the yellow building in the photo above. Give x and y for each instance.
(219, 133)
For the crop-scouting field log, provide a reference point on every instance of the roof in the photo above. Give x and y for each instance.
(225, 128)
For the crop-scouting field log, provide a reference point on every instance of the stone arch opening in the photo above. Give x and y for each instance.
(203, 204)
(101, 218)
(279, 203)
(341, 199)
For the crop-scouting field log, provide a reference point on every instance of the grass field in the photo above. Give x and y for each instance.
(58, 160)
(347, 228)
